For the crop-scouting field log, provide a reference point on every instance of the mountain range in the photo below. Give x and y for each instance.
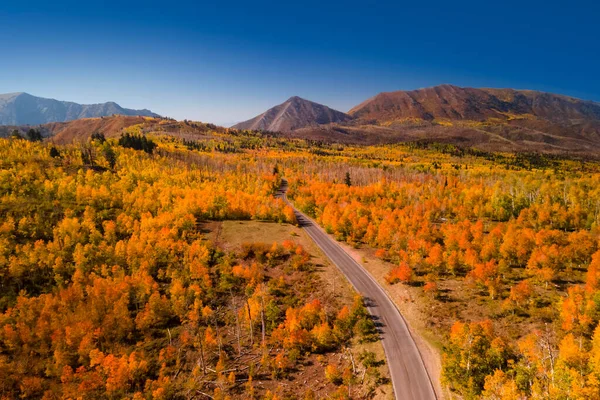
(488, 119)
(25, 109)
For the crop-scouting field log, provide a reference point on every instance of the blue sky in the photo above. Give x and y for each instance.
(228, 61)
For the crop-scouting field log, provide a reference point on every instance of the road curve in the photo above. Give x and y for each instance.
(409, 376)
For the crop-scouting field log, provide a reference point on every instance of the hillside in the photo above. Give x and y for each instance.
(294, 113)
(513, 136)
(25, 109)
(456, 103)
(488, 119)
(81, 130)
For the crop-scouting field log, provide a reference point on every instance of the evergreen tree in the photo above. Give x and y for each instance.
(347, 179)
(16, 135)
(54, 153)
(97, 136)
(137, 142)
(110, 156)
(34, 135)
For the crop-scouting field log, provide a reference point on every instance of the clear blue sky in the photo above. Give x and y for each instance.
(226, 61)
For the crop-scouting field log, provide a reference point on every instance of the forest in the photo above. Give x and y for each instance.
(110, 289)
(518, 247)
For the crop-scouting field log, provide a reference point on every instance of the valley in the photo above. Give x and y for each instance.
(493, 253)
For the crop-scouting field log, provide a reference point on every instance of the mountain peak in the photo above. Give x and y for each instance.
(298, 99)
(294, 113)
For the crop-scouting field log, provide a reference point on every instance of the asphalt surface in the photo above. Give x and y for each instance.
(409, 376)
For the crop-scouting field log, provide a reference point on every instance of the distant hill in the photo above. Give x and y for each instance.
(294, 113)
(25, 109)
(488, 119)
(456, 103)
(81, 130)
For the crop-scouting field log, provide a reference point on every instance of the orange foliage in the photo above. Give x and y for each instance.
(401, 273)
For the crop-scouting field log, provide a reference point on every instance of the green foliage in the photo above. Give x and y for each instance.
(15, 134)
(137, 142)
(98, 137)
(54, 153)
(34, 135)
(110, 156)
(347, 179)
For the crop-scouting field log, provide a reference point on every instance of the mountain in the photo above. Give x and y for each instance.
(447, 102)
(294, 113)
(487, 119)
(25, 109)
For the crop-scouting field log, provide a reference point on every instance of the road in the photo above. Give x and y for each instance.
(409, 376)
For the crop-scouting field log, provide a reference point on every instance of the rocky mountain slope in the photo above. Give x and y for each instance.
(25, 109)
(456, 103)
(294, 113)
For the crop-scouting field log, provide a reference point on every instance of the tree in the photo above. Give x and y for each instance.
(401, 273)
(54, 153)
(15, 134)
(137, 142)
(98, 137)
(333, 374)
(472, 354)
(34, 135)
(436, 257)
(499, 386)
(87, 154)
(110, 156)
(431, 288)
(520, 293)
(487, 274)
(347, 179)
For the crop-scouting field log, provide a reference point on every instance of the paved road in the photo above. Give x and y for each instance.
(409, 376)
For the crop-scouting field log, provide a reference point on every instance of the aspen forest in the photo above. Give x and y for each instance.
(111, 289)
(115, 283)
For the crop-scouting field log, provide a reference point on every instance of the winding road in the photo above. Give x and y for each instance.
(409, 376)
